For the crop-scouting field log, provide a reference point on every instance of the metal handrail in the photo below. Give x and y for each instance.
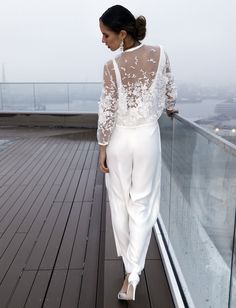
(209, 135)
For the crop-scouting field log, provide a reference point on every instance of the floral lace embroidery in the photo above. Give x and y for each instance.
(137, 87)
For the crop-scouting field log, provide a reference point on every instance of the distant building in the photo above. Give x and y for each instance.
(227, 108)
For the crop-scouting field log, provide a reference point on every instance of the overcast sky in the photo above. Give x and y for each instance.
(60, 40)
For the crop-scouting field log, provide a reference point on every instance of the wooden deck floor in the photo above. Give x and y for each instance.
(56, 242)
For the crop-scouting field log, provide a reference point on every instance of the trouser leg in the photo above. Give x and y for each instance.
(133, 184)
(144, 201)
(118, 182)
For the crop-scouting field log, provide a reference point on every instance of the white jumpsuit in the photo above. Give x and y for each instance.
(138, 85)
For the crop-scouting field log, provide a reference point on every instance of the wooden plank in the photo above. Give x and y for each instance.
(160, 295)
(43, 239)
(16, 190)
(79, 196)
(70, 297)
(42, 165)
(100, 178)
(94, 163)
(81, 238)
(89, 191)
(19, 207)
(32, 175)
(49, 190)
(40, 205)
(113, 279)
(56, 237)
(88, 160)
(153, 251)
(10, 225)
(24, 166)
(55, 289)
(78, 153)
(65, 252)
(38, 291)
(19, 297)
(92, 254)
(63, 171)
(76, 172)
(69, 153)
(69, 195)
(8, 156)
(101, 268)
(15, 270)
(23, 153)
(18, 265)
(9, 255)
(8, 152)
(82, 158)
(65, 186)
(39, 210)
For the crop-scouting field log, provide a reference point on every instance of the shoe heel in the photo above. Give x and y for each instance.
(133, 285)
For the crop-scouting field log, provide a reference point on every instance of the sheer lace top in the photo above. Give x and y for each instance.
(137, 86)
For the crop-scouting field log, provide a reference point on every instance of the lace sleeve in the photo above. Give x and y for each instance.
(171, 92)
(107, 105)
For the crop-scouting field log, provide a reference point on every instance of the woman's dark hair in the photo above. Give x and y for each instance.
(119, 18)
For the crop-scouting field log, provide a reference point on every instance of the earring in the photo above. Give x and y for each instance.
(122, 45)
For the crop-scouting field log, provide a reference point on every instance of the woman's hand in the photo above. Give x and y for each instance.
(103, 159)
(171, 112)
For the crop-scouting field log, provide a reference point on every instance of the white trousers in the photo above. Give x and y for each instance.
(133, 185)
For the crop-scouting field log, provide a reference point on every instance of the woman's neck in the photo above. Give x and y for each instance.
(130, 43)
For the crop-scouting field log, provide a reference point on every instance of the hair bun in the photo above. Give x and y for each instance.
(140, 27)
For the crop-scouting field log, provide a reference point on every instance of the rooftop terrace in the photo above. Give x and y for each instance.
(56, 241)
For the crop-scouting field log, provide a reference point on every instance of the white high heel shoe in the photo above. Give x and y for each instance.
(133, 281)
(123, 289)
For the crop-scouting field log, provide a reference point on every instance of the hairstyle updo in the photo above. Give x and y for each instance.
(119, 18)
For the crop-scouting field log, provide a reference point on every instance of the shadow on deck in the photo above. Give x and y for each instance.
(56, 242)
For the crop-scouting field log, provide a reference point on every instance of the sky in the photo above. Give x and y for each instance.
(60, 40)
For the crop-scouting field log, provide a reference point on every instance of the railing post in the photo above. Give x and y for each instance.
(171, 168)
(232, 261)
(68, 97)
(1, 96)
(34, 96)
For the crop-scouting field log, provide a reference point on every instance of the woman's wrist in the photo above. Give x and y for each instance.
(102, 147)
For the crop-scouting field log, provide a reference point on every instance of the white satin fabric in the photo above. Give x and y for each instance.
(133, 185)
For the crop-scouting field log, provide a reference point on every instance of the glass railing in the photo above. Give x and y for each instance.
(198, 211)
(50, 97)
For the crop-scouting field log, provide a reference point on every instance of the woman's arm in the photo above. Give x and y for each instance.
(106, 113)
(103, 159)
(107, 105)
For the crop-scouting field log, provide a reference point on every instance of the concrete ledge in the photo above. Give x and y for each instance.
(88, 120)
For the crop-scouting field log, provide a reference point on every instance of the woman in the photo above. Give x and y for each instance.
(137, 87)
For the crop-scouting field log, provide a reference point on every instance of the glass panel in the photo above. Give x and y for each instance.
(84, 97)
(17, 97)
(166, 125)
(51, 97)
(1, 105)
(233, 277)
(202, 216)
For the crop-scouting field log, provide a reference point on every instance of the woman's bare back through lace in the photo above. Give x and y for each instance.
(138, 85)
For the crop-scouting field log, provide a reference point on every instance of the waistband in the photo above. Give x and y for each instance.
(153, 123)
